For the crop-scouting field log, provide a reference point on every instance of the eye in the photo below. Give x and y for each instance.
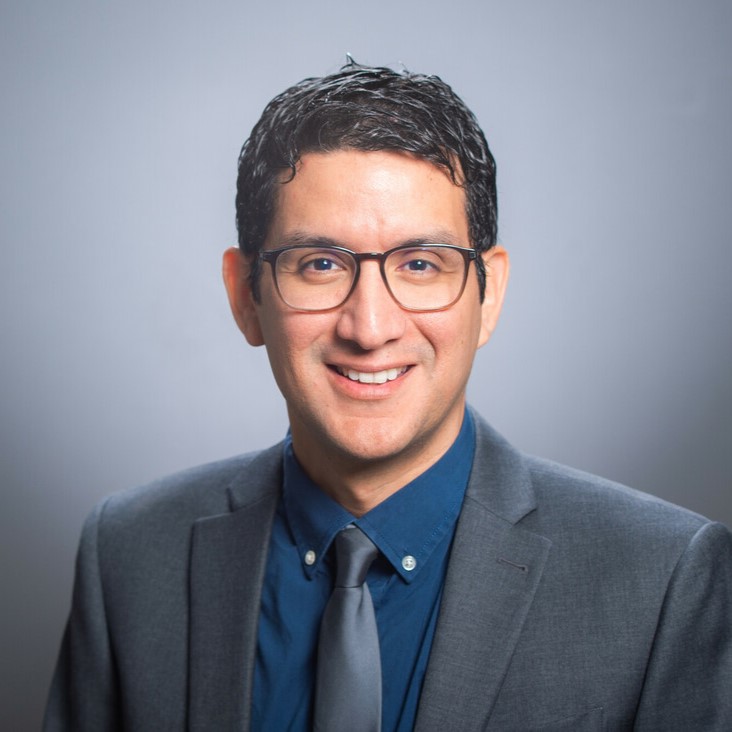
(319, 263)
(418, 265)
(315, 265)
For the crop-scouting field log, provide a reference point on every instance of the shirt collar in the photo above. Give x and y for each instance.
(406, 527)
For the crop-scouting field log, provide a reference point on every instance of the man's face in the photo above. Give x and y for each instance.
(369, 201)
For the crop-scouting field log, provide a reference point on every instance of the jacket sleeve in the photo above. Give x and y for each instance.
(83, 695)
(688, 683)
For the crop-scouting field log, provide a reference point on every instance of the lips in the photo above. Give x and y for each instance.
(371, 377)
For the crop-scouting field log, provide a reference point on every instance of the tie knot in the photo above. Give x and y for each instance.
(354, 554)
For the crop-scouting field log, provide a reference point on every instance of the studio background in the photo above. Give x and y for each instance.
(121, 124)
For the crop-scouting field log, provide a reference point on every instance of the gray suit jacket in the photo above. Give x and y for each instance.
(570, 603)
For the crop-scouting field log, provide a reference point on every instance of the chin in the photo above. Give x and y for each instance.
(376, 440)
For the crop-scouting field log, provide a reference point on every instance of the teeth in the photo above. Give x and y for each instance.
(372, 377)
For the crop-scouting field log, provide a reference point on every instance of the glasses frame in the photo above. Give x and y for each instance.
(272, 255)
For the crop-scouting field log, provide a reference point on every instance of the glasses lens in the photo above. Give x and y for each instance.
(426, 278)
(313, 278)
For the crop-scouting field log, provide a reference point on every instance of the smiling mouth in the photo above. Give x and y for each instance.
(371, 377)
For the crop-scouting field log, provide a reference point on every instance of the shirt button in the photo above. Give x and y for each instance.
(309, 557)
(409, 562)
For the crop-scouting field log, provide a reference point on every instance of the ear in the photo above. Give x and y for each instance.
(496, 278)
(236, 279)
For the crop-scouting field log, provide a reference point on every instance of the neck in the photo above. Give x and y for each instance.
(359, 490)
(360, 484)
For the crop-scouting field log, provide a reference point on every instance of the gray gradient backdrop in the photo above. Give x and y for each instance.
(120, 128)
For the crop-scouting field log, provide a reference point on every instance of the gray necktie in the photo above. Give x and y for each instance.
(348, 688)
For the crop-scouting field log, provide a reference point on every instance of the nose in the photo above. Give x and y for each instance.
(371, 317)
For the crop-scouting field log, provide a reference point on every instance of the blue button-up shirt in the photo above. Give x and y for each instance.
(413, 530)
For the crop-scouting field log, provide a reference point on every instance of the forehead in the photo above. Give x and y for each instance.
(380, 198)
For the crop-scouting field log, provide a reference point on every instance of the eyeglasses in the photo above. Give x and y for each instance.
(320, 278)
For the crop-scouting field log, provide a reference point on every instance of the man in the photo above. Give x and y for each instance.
(507, 592)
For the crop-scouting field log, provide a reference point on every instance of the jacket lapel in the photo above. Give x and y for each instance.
(494, 570)
(228, 558)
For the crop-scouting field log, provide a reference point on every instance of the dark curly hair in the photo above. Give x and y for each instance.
(369, 109)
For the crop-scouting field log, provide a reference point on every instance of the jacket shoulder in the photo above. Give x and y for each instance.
(598, 502)
(180, 499)
(573, 508)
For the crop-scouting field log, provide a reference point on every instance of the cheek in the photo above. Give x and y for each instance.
(293, 340)
(453, 333)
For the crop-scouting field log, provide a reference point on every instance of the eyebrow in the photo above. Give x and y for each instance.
(300, 238)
